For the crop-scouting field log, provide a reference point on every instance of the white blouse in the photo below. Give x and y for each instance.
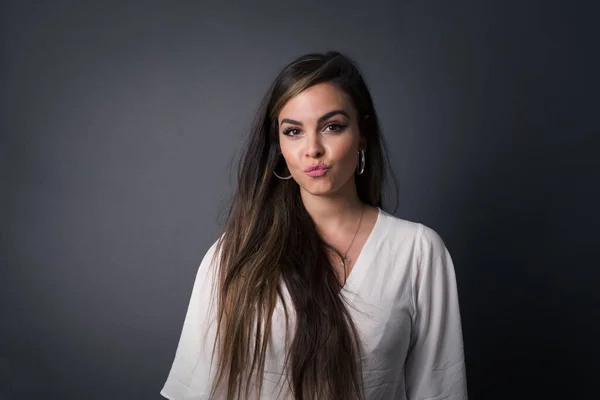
(402, 295)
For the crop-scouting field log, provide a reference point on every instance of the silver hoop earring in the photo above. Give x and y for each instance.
(361, 163)
(281, 177)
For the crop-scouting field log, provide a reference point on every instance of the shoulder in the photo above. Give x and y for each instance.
(399, 230)
(210, 261)
(213, 249)
(397, 227)
(430, 239)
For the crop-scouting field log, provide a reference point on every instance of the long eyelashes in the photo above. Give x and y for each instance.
(338, 127)
(288, 131)
(333, 127)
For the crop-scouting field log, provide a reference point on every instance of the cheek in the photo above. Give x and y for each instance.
(288, 154)
(347, 152)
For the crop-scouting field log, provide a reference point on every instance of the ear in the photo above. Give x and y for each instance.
(362, 143)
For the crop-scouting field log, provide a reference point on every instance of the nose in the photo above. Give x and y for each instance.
(314, 147)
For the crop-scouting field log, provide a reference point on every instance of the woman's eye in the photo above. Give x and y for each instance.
(335, 127)
(290, 132)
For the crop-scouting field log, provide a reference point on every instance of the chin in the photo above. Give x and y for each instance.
(319, 189)
(319, 194)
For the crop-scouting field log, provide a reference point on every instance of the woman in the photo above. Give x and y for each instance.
(314, 291)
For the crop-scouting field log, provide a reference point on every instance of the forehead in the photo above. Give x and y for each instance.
(313, 102)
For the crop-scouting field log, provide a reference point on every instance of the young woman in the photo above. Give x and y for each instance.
(314, 291)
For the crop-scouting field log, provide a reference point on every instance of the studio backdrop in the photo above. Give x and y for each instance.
(120, 126)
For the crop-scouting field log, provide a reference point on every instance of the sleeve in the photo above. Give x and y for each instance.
(191, 375)
(435, 366)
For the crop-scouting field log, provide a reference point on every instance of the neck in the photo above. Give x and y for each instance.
(336, 211)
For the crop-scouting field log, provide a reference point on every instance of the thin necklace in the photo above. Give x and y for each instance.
(346, 260)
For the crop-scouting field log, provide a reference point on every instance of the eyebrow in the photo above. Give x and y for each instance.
(321, 119)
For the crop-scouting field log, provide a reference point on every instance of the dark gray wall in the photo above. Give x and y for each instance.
(119, 123)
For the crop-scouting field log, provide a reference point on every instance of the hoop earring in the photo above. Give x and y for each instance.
(361, 163)
(281, 177)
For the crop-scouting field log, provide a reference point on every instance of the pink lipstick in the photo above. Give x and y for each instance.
(317, 170)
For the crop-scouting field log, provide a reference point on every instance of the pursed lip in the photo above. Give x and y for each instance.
(316, 167)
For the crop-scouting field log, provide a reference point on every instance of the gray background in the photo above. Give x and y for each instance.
(119, 124)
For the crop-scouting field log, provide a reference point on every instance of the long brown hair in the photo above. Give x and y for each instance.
(271, 242)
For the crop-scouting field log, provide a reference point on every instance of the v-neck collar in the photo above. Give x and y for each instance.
(359, 270)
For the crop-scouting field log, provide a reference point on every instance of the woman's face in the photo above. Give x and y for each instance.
(319, 139)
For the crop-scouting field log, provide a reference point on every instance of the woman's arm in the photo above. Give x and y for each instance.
(435, 367)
